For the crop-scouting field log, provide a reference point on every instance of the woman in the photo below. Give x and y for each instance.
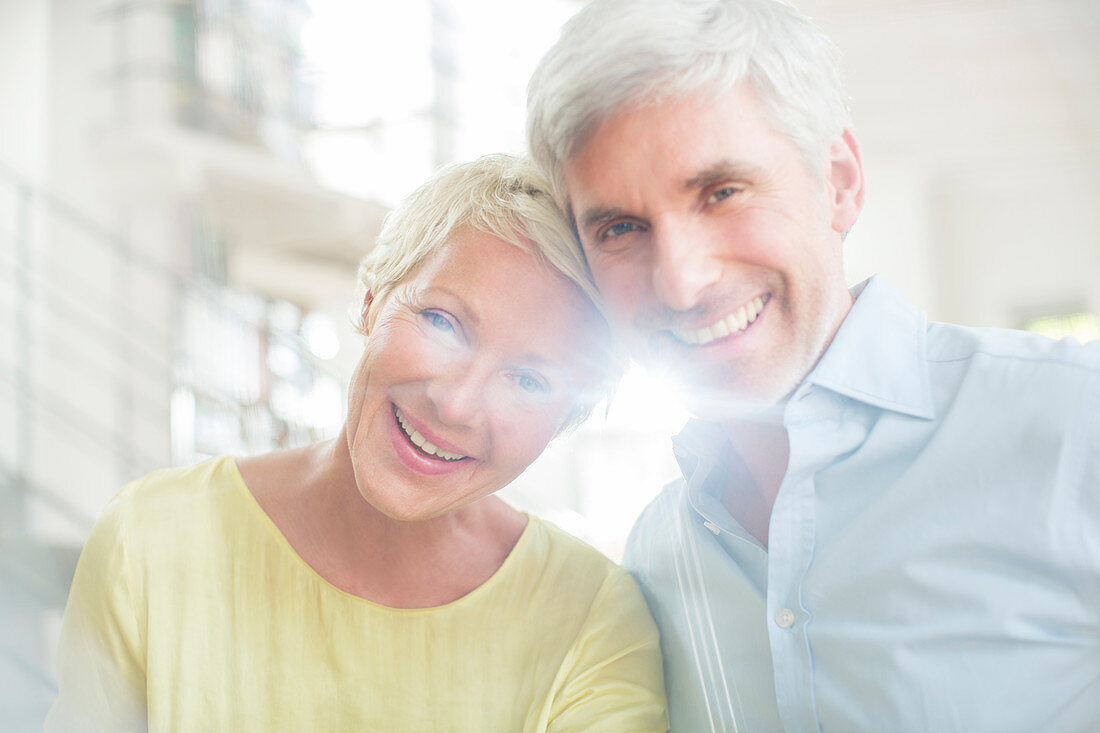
(374, 582)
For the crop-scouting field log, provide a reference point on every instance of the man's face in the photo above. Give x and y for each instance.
(715, 245)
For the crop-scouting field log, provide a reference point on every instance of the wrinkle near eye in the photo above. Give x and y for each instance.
(407, 299)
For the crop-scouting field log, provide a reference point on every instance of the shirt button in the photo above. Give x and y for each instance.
(784, 619)
(712, 527)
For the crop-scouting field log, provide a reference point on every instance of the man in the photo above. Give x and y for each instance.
(883, 523)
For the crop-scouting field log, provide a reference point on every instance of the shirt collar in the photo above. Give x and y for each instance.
(878, 355)
(701, 450)
(699, 440)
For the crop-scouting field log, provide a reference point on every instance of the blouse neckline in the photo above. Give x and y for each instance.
(229, 465)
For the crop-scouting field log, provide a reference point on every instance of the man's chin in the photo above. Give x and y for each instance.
(731, 401)
(723, 392)
(726, 407)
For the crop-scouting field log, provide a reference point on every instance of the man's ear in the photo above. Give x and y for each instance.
(845, 182)
(367, 300)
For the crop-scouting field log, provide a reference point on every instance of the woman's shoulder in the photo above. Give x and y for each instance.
(170, 491)
(170, 499)
(567, 564)
(612, 671)
(561, 546)
(149, 518)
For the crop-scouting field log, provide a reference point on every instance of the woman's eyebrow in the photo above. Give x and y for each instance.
(542, 363)
(467, 314)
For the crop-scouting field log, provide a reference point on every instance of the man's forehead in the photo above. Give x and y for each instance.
(728, 117)
(690, 143)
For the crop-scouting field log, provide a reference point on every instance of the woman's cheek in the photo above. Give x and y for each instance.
(407, 352)
(534, 425)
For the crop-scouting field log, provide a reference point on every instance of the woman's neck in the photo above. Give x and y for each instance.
(312, 497)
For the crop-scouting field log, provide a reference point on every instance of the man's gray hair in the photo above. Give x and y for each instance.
(625, 53)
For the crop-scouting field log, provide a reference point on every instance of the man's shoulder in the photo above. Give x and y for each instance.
(948, 342)
(1016, 368)
(1034, 401)
(1054, 385)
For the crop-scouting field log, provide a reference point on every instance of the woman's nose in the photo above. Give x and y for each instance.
(459, 395)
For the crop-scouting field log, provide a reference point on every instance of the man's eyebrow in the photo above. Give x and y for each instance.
(598, 215)
(719, 172)
(722, 171)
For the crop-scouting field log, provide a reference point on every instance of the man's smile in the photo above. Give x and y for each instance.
(732, 323)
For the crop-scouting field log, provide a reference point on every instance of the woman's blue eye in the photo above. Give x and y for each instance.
(438, 321)
(529, 384)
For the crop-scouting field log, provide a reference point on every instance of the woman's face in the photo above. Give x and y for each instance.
(469, 370)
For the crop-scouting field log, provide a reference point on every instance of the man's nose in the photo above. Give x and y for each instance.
(683, 265)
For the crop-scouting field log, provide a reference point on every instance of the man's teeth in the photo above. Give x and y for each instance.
(735, 322)
(421, 442)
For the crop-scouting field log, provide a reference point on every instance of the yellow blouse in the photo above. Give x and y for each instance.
(191, 611)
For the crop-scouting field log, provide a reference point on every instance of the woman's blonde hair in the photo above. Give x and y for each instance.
(502, 195)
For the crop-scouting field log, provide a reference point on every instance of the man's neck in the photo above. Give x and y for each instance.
(760, 441)
(761, 444)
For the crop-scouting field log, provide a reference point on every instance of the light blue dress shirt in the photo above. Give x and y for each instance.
(934, 548)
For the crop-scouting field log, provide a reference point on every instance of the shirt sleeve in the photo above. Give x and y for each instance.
(101, 652)
(612, 678)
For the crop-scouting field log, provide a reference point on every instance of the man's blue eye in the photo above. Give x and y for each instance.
(620, 228)
(439, 322)
(722, 193)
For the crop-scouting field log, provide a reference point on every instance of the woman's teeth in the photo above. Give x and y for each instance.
(421, 442)
(735, 322)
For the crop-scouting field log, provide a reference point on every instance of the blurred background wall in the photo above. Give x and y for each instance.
(187, 185)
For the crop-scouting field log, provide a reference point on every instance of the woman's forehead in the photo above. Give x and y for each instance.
(510, 293)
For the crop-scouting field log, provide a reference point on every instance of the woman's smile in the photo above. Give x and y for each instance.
(422, 443)
(424, 458)
(466, 376)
